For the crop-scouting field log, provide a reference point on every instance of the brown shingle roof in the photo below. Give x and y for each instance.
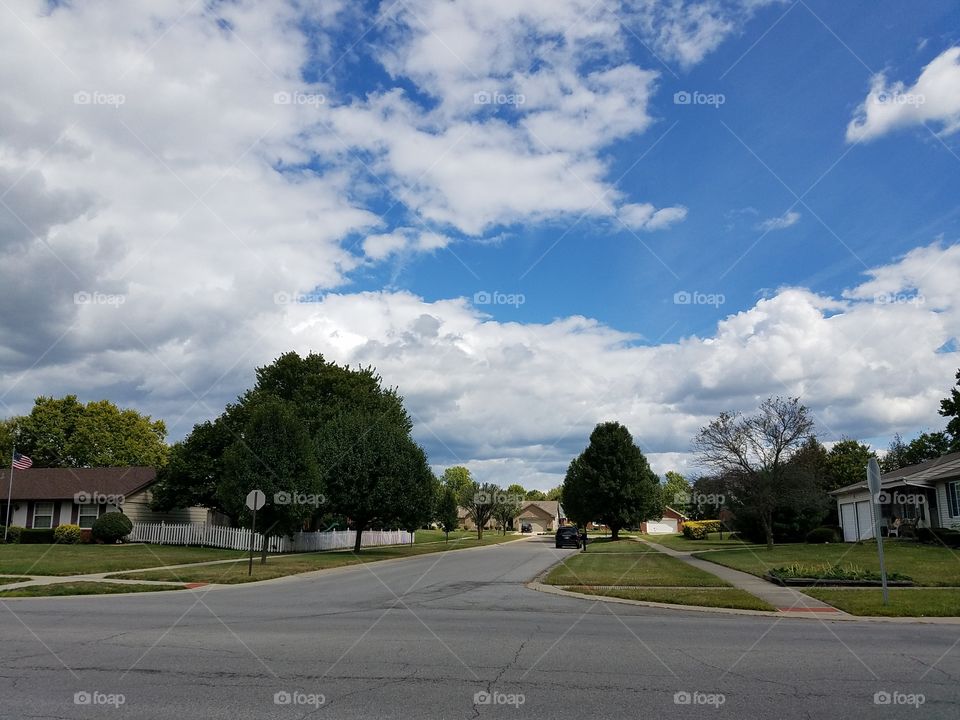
(63, 483)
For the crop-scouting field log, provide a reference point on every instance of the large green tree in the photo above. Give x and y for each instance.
(846, 463)
(457, 478)
(611, 481)
(535, 495)
(375, 474)
(274, 454)
(63, 432)
(675, 491)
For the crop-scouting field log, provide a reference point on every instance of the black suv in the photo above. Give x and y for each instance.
(568, 535)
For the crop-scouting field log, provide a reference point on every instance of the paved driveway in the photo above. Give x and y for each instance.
(419, 638)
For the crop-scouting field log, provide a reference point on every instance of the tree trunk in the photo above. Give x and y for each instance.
(768, 529)
(479, 532)
(614, 532)
(356, 541)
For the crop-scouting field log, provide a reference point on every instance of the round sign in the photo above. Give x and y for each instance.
(256, 499)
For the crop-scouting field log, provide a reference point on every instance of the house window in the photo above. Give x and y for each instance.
(953, 498)
(88, 513)
(43, 515)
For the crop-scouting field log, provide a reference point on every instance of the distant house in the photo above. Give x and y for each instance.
(48, 497)
(671, 522)
(466, 522)
(924, 495)
(541, 515)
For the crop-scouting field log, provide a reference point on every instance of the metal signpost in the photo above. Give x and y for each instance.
(873, 482)
(255, 500)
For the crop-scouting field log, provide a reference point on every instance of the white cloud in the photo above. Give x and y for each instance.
(933, 98)
(646, 217)
(788, 219)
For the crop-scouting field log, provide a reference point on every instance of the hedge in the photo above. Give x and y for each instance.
(699, 529)
(13, 534)
(111, 527)
(36, 536)
(67, 534)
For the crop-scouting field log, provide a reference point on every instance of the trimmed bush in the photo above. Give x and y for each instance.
(699, 529)
(111, 527)
(821, 535)
(950, 538)
(13, 534)
(67, 534)
(925, 535)
(36, 536)
(826, 571)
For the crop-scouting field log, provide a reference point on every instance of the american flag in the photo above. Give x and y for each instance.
(21, 462)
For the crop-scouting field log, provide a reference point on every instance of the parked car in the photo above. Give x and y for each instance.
(568, 535)
(526, 528)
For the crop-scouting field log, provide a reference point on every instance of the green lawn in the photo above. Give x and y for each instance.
(927, 565)
(10, 580)
(709, 597)
(427, 536)
(622, 568)
(904, 602)
(83, 559)
(606, 545)
(280, 566)
(83, 588)
(711, 542)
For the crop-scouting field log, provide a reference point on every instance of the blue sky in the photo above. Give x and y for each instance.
(172, 174)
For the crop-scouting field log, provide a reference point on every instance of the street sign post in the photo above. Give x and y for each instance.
(255, 500)
(873, 482)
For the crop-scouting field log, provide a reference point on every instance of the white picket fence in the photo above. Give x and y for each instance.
(239, 538)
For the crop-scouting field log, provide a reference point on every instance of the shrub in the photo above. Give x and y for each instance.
(950, 538)
(13, 534)
(699, 529)
(925, 535)
(827, 571)
(67, 534)
(821, 535)
(36, 536)
(111, 527)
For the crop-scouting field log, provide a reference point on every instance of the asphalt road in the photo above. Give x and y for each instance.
(420, 638)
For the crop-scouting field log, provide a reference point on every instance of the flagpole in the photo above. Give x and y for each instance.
(6, 525)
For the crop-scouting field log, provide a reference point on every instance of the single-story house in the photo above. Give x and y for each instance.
(47, 497)
(541, 515)
(925, 495)
(466, 522)
(671, 522)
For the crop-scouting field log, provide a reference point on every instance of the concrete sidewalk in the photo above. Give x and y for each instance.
(786, 600)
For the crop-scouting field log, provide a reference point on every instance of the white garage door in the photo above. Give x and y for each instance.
(857, 521)
(662, 526)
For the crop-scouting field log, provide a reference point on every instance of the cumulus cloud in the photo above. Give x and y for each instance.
(788, 219)
(933, 98)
